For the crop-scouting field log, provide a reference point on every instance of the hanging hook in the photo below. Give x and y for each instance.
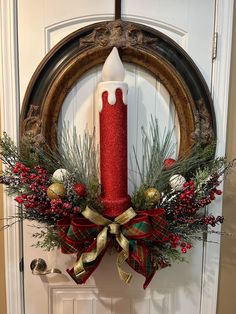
(118, 9)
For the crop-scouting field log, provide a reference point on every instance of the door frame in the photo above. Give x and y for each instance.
(9, 94)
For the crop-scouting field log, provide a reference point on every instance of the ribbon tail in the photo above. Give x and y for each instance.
(140, 260)
(88, 269)
(89, 260)
(124, 276)
(122, 257)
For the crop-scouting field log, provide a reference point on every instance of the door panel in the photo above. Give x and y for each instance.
(41, 25)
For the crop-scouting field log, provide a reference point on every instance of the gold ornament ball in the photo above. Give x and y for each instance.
(152, 195)
(55, 191)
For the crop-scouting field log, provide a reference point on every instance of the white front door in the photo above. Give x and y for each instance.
(41, 24)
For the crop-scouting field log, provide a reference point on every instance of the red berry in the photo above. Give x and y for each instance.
(19, 200)
(189, 246)
(212, 197)
(184, 250)
(76, 209)
(80, 189)
(23, 168)
(168, 163)
(15, 170)
(32, 176)
(66, 205)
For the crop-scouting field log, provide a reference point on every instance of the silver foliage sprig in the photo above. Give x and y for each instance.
(156, 149)
(79, 155)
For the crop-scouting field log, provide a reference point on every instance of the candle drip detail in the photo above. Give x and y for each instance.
(110, 88)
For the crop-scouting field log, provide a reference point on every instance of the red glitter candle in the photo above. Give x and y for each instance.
(113, 137)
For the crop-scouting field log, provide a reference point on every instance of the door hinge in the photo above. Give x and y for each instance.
(21, 265)
(214, 46)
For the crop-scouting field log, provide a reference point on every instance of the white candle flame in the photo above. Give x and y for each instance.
(113, 75)
(113, 69)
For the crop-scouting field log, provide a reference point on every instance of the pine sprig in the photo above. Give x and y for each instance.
(47, 238)
(78, 154)
(155, 150)
(8, 151)
(151, 170)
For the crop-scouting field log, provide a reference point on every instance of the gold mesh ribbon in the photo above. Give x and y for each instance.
(114, 228)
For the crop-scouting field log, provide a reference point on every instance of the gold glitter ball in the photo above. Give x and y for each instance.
(55, 191)
(152, 195)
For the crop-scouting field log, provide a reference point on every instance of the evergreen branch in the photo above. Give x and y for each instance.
(8, 151)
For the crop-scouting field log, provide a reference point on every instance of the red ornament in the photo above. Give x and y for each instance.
(80, 189)
(168, 163)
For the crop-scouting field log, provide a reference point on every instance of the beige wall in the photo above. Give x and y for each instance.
(227, 284)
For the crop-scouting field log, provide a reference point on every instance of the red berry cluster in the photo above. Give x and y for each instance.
(63, 209)
(21, 170)
(185, 203)
(208, 198)
(35, 182)
(185, 247)
(176, 241)
(213, 221)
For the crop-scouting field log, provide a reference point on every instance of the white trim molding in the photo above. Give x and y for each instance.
(9, 106)
(220, 94)
(73, 24)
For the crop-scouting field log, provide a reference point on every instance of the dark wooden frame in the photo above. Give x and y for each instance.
(63, 66)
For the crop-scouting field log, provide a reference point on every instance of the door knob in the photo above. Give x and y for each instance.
(39, 267)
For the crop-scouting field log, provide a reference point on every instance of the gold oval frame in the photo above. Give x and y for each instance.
(88, 47)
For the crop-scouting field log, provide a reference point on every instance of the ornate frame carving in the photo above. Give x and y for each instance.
(138, 44)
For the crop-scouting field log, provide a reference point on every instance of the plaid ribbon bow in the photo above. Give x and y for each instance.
(90, 236)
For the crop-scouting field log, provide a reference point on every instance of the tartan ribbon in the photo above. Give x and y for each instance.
(114, 228)
(90, 236)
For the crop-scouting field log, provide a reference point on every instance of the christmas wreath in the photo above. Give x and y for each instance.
(61, 191)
